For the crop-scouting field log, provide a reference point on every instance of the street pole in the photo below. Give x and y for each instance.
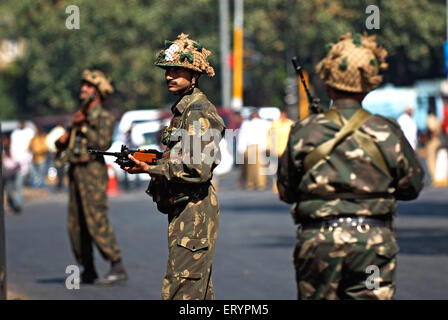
(2, 231)
(226, 92)
(238, 44)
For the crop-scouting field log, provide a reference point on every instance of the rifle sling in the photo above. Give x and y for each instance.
(350, 127)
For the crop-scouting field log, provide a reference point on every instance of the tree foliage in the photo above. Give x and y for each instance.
(122, 38)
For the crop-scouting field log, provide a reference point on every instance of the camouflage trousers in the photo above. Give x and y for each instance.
(87, 214)
(345, 263)
(192, 235)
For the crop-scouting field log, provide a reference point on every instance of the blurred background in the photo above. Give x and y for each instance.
(41, 60)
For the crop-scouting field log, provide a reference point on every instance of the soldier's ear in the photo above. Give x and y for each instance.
(98, 93)
(195, 78)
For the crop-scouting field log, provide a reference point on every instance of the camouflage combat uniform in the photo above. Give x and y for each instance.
(332, 259)
(181, 181)
(87, 214)
(185, 193)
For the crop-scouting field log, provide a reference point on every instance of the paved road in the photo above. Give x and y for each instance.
(253, 254)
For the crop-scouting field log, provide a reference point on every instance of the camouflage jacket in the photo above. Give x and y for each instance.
(96, 133)
(348, 169)
(192, 140)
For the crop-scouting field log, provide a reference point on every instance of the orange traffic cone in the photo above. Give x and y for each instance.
(112, 187)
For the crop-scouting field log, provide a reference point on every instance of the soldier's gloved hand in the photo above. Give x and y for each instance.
(140, 166)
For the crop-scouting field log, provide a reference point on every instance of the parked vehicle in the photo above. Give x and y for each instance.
(143, 135)
(8, 126)
(134, 117)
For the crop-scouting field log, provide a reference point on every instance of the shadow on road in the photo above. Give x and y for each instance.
(425, 209)
(255, 209)
(427, 241)
(276, 242)
(51, 280)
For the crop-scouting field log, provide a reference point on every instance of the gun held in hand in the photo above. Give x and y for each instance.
(150, 156)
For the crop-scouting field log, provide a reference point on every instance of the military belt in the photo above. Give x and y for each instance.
(346, 196)
(362, 224)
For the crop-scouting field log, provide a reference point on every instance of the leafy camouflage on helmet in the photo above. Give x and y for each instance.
(99, 80)
(185, 53)
(353, 64)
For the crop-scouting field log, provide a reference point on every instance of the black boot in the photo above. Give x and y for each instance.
(89, 276)
(116, 273)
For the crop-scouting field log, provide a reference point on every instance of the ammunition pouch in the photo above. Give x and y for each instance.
(171, 197)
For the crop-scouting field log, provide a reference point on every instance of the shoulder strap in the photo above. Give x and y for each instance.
(364, 141)
(325, 148)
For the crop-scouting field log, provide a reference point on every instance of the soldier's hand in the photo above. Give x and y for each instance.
(63, 139)
(140, 166)
(78, 118)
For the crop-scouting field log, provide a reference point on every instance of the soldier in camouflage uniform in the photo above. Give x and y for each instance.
(344, 183)
(92, 127)
(181, 181)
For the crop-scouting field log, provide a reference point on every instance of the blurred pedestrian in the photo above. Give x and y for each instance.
(10, 169)
(20, 140)
(39, 149)
(225, 163)
(241, 147)
(344, 170)
(52, 136)
(131, 144)
(252, 139)
(409, 126)
(181, 181)
(444, 98)
(435, 143)
(92, 127)
(277, 137)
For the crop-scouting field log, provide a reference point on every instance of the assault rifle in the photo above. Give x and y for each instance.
(313, 102)
(150, 156)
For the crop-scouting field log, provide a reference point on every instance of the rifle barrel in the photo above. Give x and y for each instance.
(298, 70)
(104, 153)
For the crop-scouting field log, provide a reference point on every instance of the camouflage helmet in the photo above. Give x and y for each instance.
(99, 80)
(353, 64)
(185, 53)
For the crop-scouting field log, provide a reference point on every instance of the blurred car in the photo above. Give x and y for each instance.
(147, 135)
(144, 135)
(135, 117)
(8, 126)
(266, 113)
(229, 117)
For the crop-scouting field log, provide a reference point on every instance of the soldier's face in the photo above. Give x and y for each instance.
(87, 90)
(178, 79)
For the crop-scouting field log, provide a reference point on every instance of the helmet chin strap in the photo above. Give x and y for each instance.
(193, 84)
(86, 102)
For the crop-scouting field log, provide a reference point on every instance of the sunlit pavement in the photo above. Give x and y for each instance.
(253, 258)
